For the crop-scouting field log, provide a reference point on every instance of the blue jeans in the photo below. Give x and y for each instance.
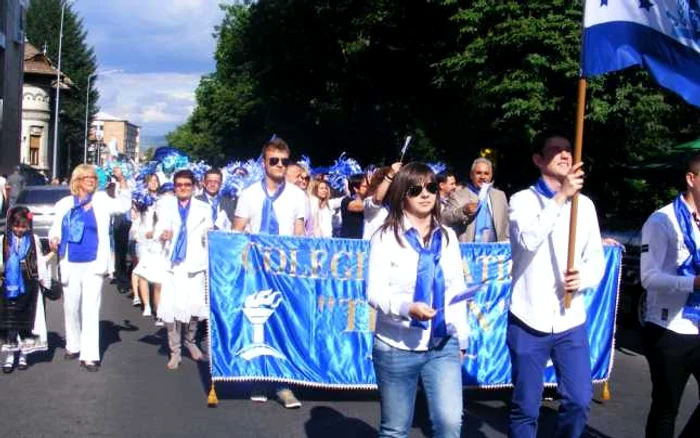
(398, 372)
(529, 352)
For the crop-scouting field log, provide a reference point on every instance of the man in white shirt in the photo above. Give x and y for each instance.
(273, 207)
(539, 326)
(670, 268)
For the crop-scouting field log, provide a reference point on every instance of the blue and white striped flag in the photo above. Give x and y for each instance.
(663, 36)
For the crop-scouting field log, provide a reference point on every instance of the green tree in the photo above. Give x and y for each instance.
(518, 66)
(78, 62)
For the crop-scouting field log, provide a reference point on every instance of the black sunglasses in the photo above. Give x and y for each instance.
(414, 191)
(273, 161)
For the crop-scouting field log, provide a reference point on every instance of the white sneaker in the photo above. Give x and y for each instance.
(159, 322)
(146, 311)
(258, 397)
(136, 301)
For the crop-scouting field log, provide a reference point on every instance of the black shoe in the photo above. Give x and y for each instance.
(90, 366)
(71, 356)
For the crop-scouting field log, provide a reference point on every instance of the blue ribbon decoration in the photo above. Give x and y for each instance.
(543, 189)
(14, 281)
(73, 224)
(180, 251)
(268, 222)
(690, 266)
(430, 281)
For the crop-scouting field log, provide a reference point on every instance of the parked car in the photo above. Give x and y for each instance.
(41, 201)
(632, 295)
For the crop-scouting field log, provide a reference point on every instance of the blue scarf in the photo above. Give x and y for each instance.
(430, 281)
(691, 266)
(543, 189)
(14, 281)
(215, 201)
(73, 224)
(180, 251)
(268, 223)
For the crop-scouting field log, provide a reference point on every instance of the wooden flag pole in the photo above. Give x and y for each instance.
(578, 149)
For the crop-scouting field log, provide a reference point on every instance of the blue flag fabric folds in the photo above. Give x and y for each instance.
(661, 36)
(291, 309)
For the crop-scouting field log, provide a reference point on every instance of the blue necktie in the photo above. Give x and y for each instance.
(268, 223)
(430, 281)
(215, 200)
(180, 251)
(73, 224)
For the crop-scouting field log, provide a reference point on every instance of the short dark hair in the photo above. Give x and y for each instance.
(185, 173)
(543, 138)
(355, 181)
(693, 165)
(277, 144)
(441, 177)
(213, 171)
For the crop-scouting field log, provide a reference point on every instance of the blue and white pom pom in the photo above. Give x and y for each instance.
(438, 167)
(341, 170)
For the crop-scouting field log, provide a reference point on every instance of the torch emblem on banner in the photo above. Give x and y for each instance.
(258, 308)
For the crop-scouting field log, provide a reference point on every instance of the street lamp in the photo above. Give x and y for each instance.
(87, 106)
(54, 164)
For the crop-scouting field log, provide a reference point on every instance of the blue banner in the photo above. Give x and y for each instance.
(294, 310)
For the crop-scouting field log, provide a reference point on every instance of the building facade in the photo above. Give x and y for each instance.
(12, 25)
(37, 108)
(114, 136)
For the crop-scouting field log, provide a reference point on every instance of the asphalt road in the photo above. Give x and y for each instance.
(133, 395)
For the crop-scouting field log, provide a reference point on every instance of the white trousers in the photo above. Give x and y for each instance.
(82, 297)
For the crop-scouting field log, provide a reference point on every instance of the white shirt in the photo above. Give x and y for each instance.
(290, 206)
(321, 219)
(539, 238)
(222, 220)
(391, 281)
(663, 251)
(375, 215)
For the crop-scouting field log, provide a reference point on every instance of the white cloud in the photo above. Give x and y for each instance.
(163, 48)
(156, 101)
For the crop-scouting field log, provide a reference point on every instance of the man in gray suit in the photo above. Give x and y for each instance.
(478, 212)
(222, 207)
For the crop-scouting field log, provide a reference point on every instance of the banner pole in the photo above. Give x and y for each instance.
(578, 149)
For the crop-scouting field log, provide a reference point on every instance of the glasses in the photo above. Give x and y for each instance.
(183, 185)
(92, 177)
(305, 178)
(416, 190)
(273, 161)
(212, 181)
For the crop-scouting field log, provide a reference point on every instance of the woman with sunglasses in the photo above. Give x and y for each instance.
(415, 270)
(80, 234)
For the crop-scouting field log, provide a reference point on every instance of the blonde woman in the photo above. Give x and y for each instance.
(80, 234)
(321, 213)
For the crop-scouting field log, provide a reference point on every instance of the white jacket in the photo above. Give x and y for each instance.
(198, 223)
(104, 207)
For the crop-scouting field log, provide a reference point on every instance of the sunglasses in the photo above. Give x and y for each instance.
(416, 190)
(183, 185)
(273, 161)
(305, 178)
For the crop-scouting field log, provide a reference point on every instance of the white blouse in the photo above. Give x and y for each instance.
(391, 284)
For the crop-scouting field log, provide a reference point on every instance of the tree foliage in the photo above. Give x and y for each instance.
(459, 76)
(78, 62)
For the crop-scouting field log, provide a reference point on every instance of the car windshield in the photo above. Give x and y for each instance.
(30, 196)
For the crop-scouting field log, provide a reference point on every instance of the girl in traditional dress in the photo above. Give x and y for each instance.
(22, 267)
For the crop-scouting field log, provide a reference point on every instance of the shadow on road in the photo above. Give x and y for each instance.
(159, 339)
(54, 340)
(325, 421)
(109, 334)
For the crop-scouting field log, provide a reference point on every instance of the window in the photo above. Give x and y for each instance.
(34, 145)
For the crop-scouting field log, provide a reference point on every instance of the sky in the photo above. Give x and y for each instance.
(153, 53)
